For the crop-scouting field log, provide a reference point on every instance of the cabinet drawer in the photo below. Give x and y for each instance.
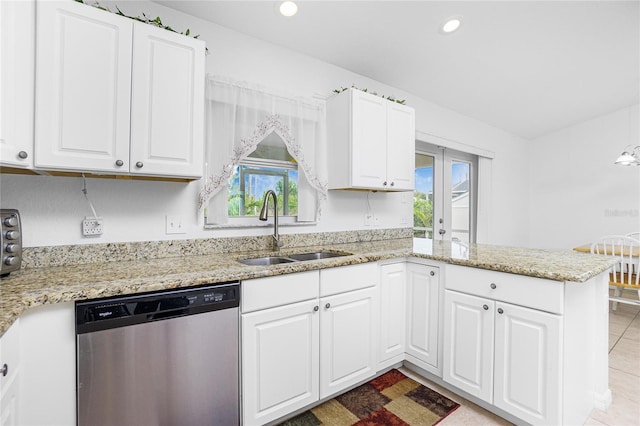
(9, 355)
(348, 278)
(536, 293)
(263, 293)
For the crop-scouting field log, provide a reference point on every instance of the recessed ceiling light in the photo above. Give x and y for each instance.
(288, 8)
(450, 25)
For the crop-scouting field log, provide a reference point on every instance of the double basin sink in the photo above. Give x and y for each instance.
(299, 257)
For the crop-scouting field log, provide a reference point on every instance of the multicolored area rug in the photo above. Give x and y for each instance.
(392, 399)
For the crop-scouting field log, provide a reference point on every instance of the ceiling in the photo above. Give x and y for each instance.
(528, 67)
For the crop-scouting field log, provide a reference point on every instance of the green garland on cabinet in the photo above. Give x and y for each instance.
(389, 98)
(144, 19)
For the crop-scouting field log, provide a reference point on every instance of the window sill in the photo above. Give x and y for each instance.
(256, 225)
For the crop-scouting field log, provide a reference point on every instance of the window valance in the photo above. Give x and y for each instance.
(238, 117)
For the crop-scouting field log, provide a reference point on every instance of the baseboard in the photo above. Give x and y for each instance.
(602, 401)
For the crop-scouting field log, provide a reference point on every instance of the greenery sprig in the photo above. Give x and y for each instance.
(144, 19)
(389, 98)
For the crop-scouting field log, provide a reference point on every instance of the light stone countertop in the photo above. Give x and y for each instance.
(36, 286)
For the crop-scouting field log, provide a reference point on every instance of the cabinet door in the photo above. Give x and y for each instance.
(9, 383)
(83, 88)
(468, 344)
(167, 103)
(528, 350)
(17, 54)
(392, 314)
(279, 361)
(9, 403)
(423, 300)
(401, 144)
(347, 340)
(369, 140)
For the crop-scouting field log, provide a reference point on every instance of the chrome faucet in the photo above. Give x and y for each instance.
(264, 214)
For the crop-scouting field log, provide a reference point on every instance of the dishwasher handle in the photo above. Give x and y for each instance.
(167, 314)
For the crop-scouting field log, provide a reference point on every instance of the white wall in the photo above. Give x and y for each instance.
(52, 208)
(577, 193)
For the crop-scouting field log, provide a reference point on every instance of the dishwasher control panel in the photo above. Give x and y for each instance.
(120, 311)
(10, 241)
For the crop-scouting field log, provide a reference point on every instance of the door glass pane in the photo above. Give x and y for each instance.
(460, 212)
(423, 197)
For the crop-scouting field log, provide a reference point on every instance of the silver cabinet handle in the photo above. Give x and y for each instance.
(139, 164)
(432, 273)
(315, 308)
(384, 183)
(23, 154)
(4, 370)
(442, 231)
(493, 286)
(485, 307)
(119, 163)
(392, 183)
(500, 311)
(327, 306)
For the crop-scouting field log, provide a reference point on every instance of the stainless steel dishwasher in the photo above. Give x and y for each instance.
(167, 358)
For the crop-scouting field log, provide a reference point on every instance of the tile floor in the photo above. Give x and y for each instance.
(624, 379)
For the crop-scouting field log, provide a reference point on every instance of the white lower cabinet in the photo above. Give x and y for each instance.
(393, 284)
(9, 375)
(468, 342)
(280, 365)
(423, 316)
(347, 340)
(299, 345)
(39, 351)
(528, 349)
(507, 355)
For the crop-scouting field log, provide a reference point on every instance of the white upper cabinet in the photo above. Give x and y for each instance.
(17, 57)
(167, 103)
(371, 142)
(117, 96)
(83, 88)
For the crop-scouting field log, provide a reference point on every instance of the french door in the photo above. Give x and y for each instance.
(444, 206)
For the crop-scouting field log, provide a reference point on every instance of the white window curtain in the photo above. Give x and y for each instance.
(238, 117)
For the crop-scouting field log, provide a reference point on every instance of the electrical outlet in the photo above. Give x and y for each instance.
(174, 225)
(92, 226)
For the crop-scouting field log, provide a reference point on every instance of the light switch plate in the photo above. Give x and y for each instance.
(174, 224)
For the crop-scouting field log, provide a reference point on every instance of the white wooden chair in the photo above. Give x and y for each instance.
(625, 273)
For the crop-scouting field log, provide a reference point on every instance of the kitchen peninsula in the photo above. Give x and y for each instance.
(564, 287)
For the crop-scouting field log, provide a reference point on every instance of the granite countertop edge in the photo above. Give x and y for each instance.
(33, 287)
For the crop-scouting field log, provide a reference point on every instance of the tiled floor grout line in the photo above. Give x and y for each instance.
(624, 331)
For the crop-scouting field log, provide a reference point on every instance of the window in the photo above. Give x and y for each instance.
(444, 205)
(257, 140)
(423, 197)
(270, 166)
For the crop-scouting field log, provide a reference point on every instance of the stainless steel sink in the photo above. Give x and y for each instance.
(316, 255)
(298, 257)
(266, 261)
